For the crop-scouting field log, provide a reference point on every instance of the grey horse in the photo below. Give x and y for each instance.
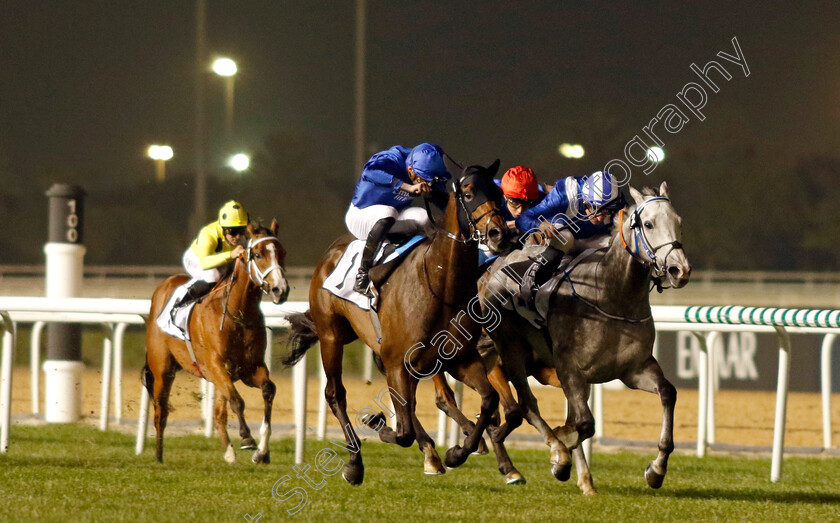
(599, 328)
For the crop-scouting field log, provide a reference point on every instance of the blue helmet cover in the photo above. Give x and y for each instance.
(427, 161)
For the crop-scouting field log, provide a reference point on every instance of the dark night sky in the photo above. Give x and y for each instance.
(86, 86)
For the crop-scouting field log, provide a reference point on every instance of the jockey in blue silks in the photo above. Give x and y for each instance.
(577, 207)
(390, 180)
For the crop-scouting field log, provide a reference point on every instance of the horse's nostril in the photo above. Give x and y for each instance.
(275, 290)
(494, 234)
(674, 271)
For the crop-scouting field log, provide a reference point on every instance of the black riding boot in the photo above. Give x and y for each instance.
(194, 293)
(375, 237)
(537, 274)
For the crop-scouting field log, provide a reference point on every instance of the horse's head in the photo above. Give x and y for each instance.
(478, 211)
(653, 232)
(266, 260)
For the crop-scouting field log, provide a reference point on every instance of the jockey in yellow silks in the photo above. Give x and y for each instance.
(211, 253)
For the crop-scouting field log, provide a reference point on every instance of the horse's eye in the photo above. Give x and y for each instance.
(648, 225)
(258, 256)
(468, 197)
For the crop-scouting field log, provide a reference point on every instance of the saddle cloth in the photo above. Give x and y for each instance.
(180, 328)
(342, 279)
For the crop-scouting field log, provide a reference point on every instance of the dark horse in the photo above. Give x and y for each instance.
(227, 330)
(422, 306)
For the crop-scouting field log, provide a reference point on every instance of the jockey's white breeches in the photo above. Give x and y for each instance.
(193, 266)
(412, 220)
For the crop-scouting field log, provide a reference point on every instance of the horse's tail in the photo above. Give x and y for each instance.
(301, 336)
(147, 378)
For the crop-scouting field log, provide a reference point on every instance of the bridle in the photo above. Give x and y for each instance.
(641, 243)
(475, 235)
(257, 276)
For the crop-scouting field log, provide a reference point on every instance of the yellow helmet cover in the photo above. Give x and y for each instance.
(233, 214)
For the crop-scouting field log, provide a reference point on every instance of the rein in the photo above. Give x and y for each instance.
(475, 233)
(568, 276)
(640, 240)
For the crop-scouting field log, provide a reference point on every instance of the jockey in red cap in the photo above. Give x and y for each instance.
(521, 190)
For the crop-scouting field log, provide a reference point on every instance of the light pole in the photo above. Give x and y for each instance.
(226, 68)
(160, 154)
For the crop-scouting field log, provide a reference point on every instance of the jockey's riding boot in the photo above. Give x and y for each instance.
(375, 237)
(194, 293)
(537, 274)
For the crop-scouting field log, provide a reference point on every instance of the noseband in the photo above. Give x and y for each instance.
(257, 276)
(641, 243)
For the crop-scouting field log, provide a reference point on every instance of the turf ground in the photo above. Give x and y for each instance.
(72, 473)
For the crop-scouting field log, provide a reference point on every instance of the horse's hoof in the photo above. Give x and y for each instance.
(514, 478)
(432, 466)
(261, 458)
(561, 471)
(482, 448)
(230, 455)
(455, 457)
(589, 492)
(248, 444)
(353, 475)
(654, 479)
(376, 422)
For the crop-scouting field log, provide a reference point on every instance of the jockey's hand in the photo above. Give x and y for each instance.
(237, 252)
(417, 189)
(511, 224)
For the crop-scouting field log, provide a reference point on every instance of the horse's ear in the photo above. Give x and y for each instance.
(494, 168)
(454, 168)
(663, 190)
(275, 228)
(250, 229)
(636, 195)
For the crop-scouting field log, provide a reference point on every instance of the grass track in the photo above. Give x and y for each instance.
(72, 473)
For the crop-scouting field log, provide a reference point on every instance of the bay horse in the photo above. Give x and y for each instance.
(422, 304)
(227, 331)
(599, 329)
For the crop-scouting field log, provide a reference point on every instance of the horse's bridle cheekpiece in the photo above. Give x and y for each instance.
(257, 276)
(641, 243)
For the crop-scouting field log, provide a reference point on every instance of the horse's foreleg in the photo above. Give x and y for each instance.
(561, 460)
(332, 351)
(651, 379)
(513, 413)
(474, 375)
(431, 460)
(237, 405)
(512, 476)
(260, 379)
(401, 386)
(224, 394)
(584, 481)
(445, 401)
(220, 422)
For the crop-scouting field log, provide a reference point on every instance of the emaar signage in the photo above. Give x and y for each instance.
(746, 360)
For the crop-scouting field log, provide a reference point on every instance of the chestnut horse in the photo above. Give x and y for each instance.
(227, 331)
(423, 302)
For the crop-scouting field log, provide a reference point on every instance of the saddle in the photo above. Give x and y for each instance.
(537, 315)
(388, 258)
